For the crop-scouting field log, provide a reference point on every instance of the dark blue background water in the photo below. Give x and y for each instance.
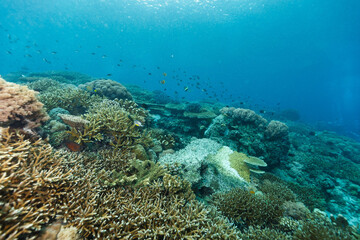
(301, 54)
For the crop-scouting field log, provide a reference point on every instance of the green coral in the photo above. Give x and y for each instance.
(108, 120)
(140, 173)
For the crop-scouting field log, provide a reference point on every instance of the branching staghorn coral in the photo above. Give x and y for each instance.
(108, 119)
(33, 185)
(162, 209)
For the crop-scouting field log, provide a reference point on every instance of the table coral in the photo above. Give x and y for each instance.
(19, 106)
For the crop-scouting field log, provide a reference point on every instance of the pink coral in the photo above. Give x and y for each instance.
(19, 106)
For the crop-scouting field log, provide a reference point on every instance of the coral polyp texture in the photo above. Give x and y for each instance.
(107, 88)
(19, 106)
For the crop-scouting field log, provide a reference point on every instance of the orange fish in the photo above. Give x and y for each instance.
(165, 74)
(252, 191)
(74, 147)
(162, 81)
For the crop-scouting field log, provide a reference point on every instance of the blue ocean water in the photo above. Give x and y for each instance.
(272, 55)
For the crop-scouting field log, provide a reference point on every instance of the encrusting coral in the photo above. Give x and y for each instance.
(19, 107)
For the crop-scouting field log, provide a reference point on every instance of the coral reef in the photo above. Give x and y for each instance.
(74, 78)
(192, 158)
(43, 84)
(74, 100)
(245, 131)
(33, 186)
(20, 107)
(245, 207)
(209, 167)
(38, 187)
(107, 88)
(109, 121)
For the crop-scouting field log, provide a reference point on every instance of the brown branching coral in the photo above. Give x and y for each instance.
(166, 140)
(319, 227)
(39, 187)
(19, 106)
(242, 206)
(33, 186)
(174, 185)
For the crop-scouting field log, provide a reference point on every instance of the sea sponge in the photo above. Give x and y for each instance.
(107, 88)
(19, 106)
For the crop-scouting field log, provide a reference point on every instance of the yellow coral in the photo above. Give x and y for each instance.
(237, 162)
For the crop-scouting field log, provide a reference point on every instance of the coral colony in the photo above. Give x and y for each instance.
(85, 158)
